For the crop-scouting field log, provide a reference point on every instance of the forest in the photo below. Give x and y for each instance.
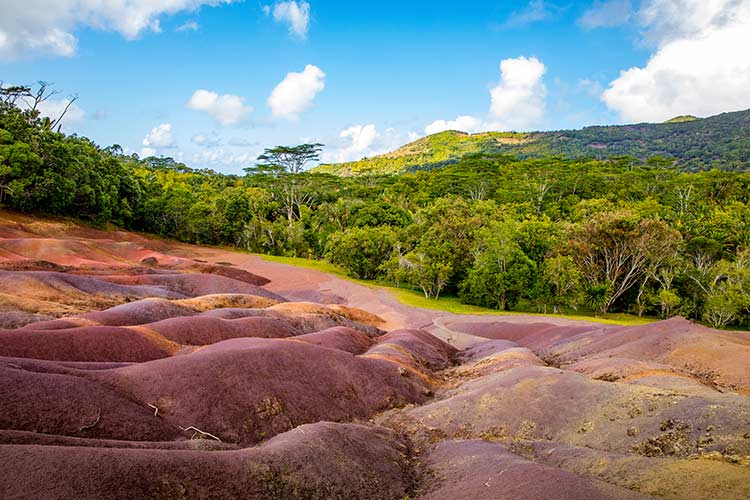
(551, 234)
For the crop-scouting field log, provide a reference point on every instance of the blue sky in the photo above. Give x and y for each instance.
(212, 82)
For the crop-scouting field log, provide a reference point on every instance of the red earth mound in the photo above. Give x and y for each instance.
(68, 405)
(193, 285)
(316, 462)
(58, 293)
(92, 343)
(341, 338)
(415, 348)
(536, 402)
(203, 330)
(713, 355)
(303, 322)
(139, 313)
(245, 390)
(481, 470)
(226, 271)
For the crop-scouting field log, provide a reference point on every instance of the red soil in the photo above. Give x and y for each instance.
(220, 389)
(153, 336)
(414, 348)
(92, 343)
(341, 338)
(203, 330)
(482, 470)
(318, 461)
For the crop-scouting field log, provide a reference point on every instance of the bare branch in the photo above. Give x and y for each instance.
(197, 431)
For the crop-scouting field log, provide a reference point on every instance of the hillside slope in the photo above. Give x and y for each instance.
(721, 141)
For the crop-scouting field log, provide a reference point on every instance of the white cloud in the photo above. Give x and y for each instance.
(227, 109)
(53, 108)
(47, 26)
(516, 103)
(607, 14)
(295, 14)
(518, 100)
(464, 123)
(361, 139)
(296, 92)
(188, 26)
(701, 65)
(535, 11)
(159, 138)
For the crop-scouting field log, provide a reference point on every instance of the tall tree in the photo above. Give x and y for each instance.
(287, 159)
(284, 167)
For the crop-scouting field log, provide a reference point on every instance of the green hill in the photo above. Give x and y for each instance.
(721, 141)
(682, 119)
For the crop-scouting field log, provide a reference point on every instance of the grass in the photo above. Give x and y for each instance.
(415, 298)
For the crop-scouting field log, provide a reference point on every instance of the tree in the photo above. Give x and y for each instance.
(502, 272)
(421, 270)
(728, 293)
(614, 249)
(287, 159)
(361, 251)
(282, 167)
(564, 281)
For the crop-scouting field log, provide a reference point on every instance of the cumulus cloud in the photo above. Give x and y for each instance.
(159, 138)
(606, 14)
(464, 123)
(516, 102)
(296, 92)
(53, 108)
(48, 26)
(227, 109)
(361, 139)
(699, 66)
(295, 14)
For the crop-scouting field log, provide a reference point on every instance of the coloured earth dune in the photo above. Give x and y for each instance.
(133, 367)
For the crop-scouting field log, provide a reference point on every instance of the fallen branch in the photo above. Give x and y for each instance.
(198, 431)
(92, 424)
(156, 410)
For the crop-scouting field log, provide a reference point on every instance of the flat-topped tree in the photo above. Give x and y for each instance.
(284, 165)
(286, 159)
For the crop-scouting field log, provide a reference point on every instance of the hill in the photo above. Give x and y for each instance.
(721, 141)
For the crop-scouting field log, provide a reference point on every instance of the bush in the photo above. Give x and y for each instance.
(361, 251)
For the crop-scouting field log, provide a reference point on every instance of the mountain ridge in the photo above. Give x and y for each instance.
(720, 141)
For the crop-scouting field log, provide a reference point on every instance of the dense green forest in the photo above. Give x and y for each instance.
(721, 141)
(546, 234)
